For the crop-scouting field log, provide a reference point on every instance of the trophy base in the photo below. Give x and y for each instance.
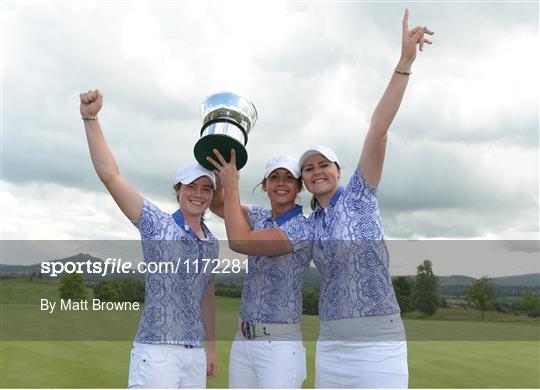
(205, 146)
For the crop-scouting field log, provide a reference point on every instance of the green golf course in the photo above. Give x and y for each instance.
(39, 349)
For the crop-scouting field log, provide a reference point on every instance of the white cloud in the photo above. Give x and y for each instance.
(477, 91)
(462, 159)
(38, 211)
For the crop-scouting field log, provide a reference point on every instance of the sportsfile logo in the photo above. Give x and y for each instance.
(118, 266)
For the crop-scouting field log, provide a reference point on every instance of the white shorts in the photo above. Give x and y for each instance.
(368, 352)
(166, 366)
(267, 362)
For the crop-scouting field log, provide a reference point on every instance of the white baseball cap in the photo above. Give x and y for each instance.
(319, 149)
(282, 161)
(190, 172)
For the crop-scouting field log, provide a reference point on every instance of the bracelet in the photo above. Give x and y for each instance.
(402, 72)
(89, 118)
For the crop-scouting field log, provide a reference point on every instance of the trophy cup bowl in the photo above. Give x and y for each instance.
(227, 120)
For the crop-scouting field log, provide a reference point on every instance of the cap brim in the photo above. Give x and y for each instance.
(296, 175)
(190, 179)
(311, 152)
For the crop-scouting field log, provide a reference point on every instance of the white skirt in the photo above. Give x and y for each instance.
(365, 352)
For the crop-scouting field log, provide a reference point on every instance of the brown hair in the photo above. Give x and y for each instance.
(176, 188)
(313, 202)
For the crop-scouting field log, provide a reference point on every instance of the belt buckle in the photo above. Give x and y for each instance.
(251, 330)
(248, 330)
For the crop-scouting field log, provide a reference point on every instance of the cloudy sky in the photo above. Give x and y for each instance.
(462, 159)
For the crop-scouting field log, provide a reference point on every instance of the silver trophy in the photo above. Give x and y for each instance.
(227, 120)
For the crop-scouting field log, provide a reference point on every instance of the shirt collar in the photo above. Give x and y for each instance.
(333, 200)
(180, 221)
(287, 215)
(336, 196)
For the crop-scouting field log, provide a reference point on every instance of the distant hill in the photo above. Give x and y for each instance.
(19, 270)
(454, 280)
(527, 280)
(313, 280)
(27, 270)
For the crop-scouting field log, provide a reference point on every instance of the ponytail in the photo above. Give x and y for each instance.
(313, 202)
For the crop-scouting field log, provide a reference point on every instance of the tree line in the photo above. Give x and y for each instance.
(74, 286)
(423, 294)
(420, 293)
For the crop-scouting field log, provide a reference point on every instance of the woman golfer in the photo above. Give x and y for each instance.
(267, 351)
(179, 306)
(362, 339)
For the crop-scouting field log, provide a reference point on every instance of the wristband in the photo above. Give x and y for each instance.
(402, 72)
(89, 118)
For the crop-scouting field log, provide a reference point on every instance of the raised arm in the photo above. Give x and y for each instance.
(372, 157)
(125, 196)
(266, 242)
(217, 206)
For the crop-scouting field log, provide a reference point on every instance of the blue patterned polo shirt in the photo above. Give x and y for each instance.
(350, 252)
(272, 292)
(173, 300)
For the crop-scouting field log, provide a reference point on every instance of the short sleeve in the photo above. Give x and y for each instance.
(299, 231)
(149, 222)
(359, 196)
(257, 214)
(356, 214)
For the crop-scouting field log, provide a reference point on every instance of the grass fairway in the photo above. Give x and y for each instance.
(27, 362)
(433, 364)
(26, 291)
(478, 364)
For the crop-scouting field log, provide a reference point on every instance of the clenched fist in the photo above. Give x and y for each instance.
(91, 102)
